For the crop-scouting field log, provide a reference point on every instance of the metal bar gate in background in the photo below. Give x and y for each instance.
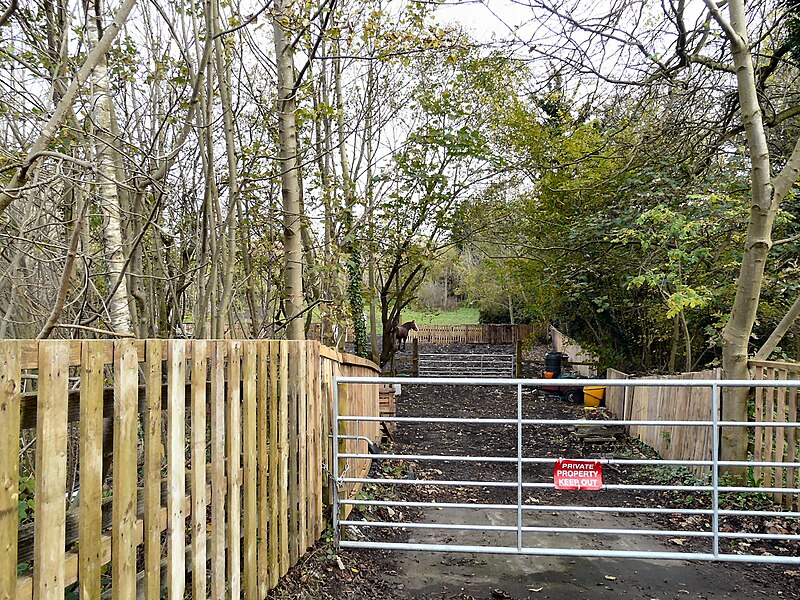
(522, 509)
(467, 365)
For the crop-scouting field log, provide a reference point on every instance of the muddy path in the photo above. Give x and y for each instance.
(427, 575)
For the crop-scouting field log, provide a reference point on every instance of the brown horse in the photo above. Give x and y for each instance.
(401, 333)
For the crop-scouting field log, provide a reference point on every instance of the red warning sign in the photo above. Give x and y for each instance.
(578, 474)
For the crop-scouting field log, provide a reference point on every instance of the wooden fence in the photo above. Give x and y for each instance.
(683, 442)
(584, 363)
(460, 334)
(218, 444)
(770, 444)
(776, 444)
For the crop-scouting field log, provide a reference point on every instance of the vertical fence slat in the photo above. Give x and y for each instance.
(91, 467)
(250, 450)
(199, 499)
(294, 491)
(176, 468)
(262, 429)
(152, 471)
(51, 471)
(758, 472)
(316, 369)
(302, 447)
(234, 457)
(123, 529)
(791, 445)
(769, 432)
(780, 417)
(274, 466)
(10, 391)
(218, 486)
(284, 458)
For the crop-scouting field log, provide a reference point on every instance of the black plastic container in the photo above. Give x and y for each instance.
(552, 363)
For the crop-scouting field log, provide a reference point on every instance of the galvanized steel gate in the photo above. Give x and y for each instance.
(523, 532)
(467, 365)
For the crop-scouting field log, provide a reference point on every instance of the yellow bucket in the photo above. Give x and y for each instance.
(593, 395)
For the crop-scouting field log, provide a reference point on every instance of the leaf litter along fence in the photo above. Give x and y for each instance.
(240, 429)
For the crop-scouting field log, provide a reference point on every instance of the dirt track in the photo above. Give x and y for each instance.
(386, 574)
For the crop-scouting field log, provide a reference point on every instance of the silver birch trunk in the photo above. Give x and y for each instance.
(290, 183)
(119, 312)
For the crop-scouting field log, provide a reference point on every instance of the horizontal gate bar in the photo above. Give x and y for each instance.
(576, 552)
(573, 422)
(571, 508)
(466, 381)
(572, 530)
(605, 461)
(610, 486)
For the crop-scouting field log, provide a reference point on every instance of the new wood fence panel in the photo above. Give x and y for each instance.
(256, 450)
(302, 446)
(123, 532)
(283, 443)
(263, 463)
(791, 443)
(779, 444)
(274, 465)
(51, 471)
(320, 438)
(759, 398)
(250, 456)
(91, 468)
(769, 432)
(234, 458)
(198, 441)
(176, 469)
(152, 471)
(218, 483)
(291, 380)
(10, 392)
(780, 417)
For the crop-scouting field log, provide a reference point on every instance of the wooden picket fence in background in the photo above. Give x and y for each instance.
(459, 334)
(772, 405)
(776, 444)
(672, 442)
(221, 443)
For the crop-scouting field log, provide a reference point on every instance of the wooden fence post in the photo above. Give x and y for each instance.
(415, 357)
(519, 360)
(10, 391)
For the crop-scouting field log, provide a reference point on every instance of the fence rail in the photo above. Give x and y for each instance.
(219, 443)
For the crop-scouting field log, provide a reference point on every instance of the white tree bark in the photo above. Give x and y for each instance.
(290, 181)
(119, 312)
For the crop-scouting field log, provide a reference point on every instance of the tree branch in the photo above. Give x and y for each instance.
(12, 191)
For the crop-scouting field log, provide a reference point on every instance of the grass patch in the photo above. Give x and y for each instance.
(462, 316)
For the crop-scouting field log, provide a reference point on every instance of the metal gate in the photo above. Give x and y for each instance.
(524, 530)
(466, 365)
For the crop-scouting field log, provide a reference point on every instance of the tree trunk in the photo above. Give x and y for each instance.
(290, 183)
(118, 308)
(765, 203)
(229, 266)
